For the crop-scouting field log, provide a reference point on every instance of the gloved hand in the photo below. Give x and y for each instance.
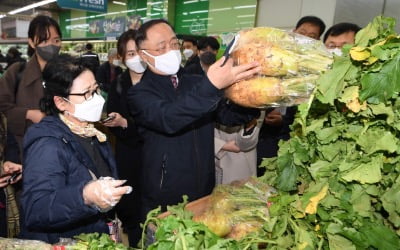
(104, 193)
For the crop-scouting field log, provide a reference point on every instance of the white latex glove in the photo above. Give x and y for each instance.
(104, 193)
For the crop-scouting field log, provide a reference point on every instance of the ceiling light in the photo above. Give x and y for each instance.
(31, 6)
(119, 3)
(2, 15)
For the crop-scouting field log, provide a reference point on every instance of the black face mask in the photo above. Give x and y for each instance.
(48, 52)
(208, 58)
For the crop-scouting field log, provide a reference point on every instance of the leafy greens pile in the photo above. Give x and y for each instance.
(96, 241)
(338, 175)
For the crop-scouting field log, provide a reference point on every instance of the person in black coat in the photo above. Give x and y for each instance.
(70, 178)
(108, 71)
(90, 59)
(189, 51)
(207, 49)
(128, 147)
(175, 114)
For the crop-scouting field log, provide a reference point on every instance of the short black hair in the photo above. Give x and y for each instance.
(341, 28)
(123, 40)
(39, 30)
(190, 39)
(204, 42)
(313, 20)
(58, 75)
(89, 46)
(142, 31)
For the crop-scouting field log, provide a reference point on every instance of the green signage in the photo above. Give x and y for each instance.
(87, 5)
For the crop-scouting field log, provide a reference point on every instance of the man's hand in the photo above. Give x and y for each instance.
(231, 146)
(273, 118)
(222, 77)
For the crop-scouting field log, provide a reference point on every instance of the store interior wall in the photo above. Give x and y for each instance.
(284, 14)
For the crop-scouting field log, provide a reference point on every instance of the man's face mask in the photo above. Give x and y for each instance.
(336, 51)
(208, 58)
(187, 53)
(168, 63)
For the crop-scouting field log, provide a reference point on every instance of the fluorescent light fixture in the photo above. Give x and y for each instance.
(31, 6)
(118, 2)
(220, 9)
(193, 1)
(244, 7)
(245, 16)
(198, 11)
(2, 15)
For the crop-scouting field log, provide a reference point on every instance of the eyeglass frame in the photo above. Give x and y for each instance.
(174, 44)
(96, 90)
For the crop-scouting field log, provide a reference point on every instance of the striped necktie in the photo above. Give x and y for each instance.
(174, 81)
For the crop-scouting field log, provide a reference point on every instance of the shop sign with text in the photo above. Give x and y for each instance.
(87, 5)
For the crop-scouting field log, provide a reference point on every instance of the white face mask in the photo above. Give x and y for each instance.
(136, 64)
(336, 51)
(167, 63)
(89, 111)
(116, 62)
(187, 53)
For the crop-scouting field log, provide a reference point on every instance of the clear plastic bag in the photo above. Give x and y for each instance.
(238, 208)
(290, 65)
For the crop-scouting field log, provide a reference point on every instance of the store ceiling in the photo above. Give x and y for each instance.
(9, 5)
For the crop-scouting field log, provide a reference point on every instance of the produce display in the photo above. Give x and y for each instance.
(89, 241)
(343, 158)
(337, 178)
(290, 65)
(17, 244)
(231, 219)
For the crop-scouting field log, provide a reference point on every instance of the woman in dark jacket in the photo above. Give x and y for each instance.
(128, 148)
(69, 171)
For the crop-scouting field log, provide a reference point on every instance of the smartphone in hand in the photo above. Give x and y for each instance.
(108, 118)
(13, 177)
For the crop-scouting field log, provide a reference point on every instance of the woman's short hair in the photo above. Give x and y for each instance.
(39, 29)
(58, 75)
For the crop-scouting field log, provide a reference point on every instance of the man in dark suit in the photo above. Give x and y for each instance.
(90, 59)
(175, 115)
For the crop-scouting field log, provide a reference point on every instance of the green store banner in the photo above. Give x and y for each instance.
(86, 5)
(219, 18)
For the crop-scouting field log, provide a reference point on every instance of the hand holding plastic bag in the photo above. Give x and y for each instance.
(105, 193)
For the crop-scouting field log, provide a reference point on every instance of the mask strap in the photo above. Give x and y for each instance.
(144, 51)
(147, 53)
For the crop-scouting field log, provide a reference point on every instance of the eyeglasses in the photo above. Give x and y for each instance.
(173, 44)
(333, 46)
(88, 95)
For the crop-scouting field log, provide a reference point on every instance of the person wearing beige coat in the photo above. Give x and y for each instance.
(236, 151)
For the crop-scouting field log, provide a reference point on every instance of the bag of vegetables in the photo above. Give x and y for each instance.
(291, 64)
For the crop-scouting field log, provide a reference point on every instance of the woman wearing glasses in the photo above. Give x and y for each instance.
(69, 178)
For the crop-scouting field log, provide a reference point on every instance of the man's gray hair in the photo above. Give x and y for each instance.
(112, 52)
